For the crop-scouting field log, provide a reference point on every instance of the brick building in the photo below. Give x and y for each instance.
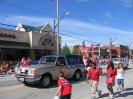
(117, 50)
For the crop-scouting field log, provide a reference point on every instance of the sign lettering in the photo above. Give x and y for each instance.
(8, 35)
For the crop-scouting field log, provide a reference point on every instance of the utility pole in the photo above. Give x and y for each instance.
(54, 35)
(110, 48)
(57, 1)
(130, 48)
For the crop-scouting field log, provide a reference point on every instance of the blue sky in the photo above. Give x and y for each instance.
(93, 20)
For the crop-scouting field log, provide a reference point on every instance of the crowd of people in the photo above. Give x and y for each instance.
(6, 68)
(92, 78)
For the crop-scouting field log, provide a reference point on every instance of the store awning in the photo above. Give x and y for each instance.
(13, 43)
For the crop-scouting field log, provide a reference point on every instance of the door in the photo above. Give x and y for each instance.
(61, 65)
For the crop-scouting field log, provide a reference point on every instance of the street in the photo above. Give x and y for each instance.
(10, 88)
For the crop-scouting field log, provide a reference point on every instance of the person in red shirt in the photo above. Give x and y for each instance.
(84, 59)
(93, 74)
(65, 87)
(25, 62)
(111, 72)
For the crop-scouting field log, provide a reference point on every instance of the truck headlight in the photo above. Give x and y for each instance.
(32, 72)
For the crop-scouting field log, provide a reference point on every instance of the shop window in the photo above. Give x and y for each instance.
(14, 54)
(47, 42)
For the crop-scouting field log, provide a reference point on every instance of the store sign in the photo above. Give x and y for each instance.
(8, 35)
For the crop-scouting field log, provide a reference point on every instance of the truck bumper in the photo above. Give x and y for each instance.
(28, 78)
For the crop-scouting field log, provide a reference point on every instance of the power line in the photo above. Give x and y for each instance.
(44, 14)
(27, 9)
(91, 16)
(31, 21)
(51, 31)
(80, 17)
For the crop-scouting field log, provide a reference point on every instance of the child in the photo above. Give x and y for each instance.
(94, 73)
(1, 69)
(120, 76)
(111, 72)
(64, 87)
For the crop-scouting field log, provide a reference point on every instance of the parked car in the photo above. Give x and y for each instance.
(48, 68)
(124, 61)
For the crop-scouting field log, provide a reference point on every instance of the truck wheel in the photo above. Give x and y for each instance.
(126, 66)
(77, 75)
(45, 81)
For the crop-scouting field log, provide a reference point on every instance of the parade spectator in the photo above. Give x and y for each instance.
(93, 74)
(111, 72)
(25, 62)
(22, 60)
(65, 87)
(29, 61)
(120, 77)
(85, 60)
(11, 67)
(18, 65)
(1, 69)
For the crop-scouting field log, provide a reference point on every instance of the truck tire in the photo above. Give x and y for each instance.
(126, 66)
(45, 81)
(77, 75)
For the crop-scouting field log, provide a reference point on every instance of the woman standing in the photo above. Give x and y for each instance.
(120, 77)
(111, 72)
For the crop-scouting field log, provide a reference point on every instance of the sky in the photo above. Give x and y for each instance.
(92, 20)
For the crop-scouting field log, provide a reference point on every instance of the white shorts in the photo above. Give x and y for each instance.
(85, 62)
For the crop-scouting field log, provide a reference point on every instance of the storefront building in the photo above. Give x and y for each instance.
(27, 41)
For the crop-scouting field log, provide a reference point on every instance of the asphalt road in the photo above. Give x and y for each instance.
(10, 88)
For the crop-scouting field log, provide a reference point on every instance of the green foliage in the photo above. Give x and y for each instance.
(54, 52)
(75, 50)
(66, 50)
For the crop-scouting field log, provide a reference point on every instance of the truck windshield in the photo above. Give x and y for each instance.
(47, 60)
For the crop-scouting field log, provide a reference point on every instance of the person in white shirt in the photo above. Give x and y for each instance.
(120, 77)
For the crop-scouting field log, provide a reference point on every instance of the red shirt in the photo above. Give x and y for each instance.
(112, 72)
(84, 57)
(25, 63)
(66, 87)
(94, 74)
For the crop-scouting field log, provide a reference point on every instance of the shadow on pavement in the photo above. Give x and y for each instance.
(128, 68)
(126, 92)
(55, 83)
(104, 95)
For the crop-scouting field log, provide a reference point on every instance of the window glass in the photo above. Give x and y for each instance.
(14, 54)
(52, 44)
(47, 42)
(61, 61)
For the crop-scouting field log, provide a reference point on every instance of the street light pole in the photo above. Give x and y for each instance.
(57, 26)
(54, 36)
(110, 46)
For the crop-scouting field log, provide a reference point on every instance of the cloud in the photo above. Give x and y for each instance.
(109, 15)
(84, 30)
(127, 3)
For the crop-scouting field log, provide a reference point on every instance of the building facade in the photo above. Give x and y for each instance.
(27, 41)
(117, 50)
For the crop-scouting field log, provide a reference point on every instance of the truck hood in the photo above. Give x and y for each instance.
(38, 66)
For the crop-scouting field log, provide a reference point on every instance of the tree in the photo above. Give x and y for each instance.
(54, 52)
(66, 50)
(75, 50)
